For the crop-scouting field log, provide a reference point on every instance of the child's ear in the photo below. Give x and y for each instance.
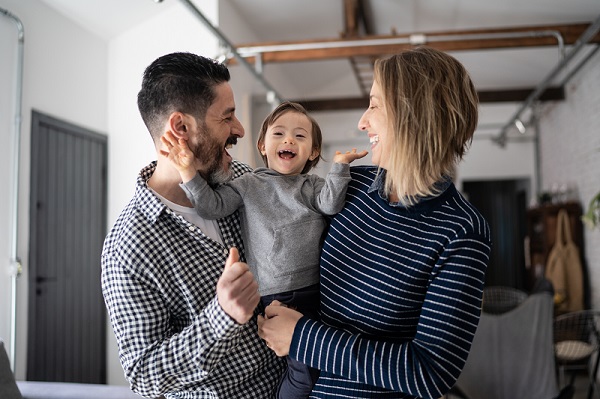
(315, 154)
(261, 149)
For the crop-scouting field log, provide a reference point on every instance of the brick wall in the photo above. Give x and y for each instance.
(570, 152)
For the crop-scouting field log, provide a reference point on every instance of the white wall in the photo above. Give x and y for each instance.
(64, 76)
(570, 148)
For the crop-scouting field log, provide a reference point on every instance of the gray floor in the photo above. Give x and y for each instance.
(581, 388)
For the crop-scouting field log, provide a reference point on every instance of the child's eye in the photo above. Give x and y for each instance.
(300, 136)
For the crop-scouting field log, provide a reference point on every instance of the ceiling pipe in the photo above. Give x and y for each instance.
(589, 33)
(414, 39)
(272, 94)
(15, 262)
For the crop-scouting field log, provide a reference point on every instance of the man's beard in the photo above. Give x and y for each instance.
(210, 152)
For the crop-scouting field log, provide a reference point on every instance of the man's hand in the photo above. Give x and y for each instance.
(349, 156)
(237, 290)
(180, 155)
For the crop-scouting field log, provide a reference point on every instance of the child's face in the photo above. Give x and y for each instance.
(288, 144)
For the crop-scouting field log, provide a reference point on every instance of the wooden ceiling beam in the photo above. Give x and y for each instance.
(445, 41)
(485, 96)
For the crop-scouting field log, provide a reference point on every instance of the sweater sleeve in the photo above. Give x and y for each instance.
(213, 203)
(430, 363)
(331, 191)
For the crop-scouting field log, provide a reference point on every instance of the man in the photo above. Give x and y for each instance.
(181, 304)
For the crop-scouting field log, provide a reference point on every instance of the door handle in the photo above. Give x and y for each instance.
(42, 279)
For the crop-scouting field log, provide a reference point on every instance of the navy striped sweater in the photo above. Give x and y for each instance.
(401, 295)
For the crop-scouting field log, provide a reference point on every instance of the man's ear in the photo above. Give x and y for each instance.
(179, 125)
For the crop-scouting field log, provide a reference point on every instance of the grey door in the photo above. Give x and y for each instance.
(66, 339)
(503, 204)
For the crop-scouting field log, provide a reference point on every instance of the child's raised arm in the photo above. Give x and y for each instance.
(180, 155)
(349, 156)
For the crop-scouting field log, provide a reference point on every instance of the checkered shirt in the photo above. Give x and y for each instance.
(159, 276)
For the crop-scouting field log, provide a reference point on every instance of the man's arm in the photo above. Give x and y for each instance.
(156, 359)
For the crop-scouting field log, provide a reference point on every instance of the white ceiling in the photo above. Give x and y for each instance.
(293, 20)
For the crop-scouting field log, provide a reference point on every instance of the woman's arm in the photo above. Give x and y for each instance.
(425, 366)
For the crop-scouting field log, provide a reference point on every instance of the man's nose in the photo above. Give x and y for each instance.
(237, 129)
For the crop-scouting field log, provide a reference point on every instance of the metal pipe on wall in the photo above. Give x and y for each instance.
(15, 262)
(589, 33)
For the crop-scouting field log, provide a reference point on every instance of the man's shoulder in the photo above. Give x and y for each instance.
(239, 168)
(128, 227)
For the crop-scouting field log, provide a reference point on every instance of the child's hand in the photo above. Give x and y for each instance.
(180, 155)
(349, 156)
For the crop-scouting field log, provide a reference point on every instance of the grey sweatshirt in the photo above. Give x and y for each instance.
(283, 223)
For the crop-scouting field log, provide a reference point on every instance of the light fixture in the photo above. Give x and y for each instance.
(520, 126)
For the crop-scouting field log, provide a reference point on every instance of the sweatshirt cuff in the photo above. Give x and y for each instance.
(340, 169)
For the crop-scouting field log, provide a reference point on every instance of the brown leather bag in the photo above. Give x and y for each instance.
(564, 270)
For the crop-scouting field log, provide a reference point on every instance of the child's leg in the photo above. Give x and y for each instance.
(298, 380)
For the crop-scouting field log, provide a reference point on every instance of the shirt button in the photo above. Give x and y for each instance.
(226, 252)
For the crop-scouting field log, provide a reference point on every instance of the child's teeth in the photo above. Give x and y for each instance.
(374, 139)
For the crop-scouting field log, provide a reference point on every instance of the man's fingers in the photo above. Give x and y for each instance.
(234, 256)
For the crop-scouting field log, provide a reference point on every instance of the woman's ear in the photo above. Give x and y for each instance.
(179, 125)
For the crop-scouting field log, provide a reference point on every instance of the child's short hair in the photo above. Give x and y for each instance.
(288, 106)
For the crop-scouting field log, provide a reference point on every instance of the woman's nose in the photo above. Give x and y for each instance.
(362, 122)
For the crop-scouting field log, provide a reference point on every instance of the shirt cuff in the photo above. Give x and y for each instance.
(223, 326)
(300, 340)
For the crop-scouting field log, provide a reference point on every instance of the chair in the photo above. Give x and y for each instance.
(512, 355)
(499, 299)
(576, 341)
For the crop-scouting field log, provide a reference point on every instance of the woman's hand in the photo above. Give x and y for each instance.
(277, 327)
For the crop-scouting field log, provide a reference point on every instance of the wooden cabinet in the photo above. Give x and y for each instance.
(541, 231)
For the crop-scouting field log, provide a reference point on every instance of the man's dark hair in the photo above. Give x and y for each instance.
(178, 82)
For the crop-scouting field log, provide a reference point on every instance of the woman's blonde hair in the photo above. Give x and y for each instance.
(432, 109)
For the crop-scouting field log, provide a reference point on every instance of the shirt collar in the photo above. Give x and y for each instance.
(149, 204)
(379, 184)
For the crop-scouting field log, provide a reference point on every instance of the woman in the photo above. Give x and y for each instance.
(403, 264)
